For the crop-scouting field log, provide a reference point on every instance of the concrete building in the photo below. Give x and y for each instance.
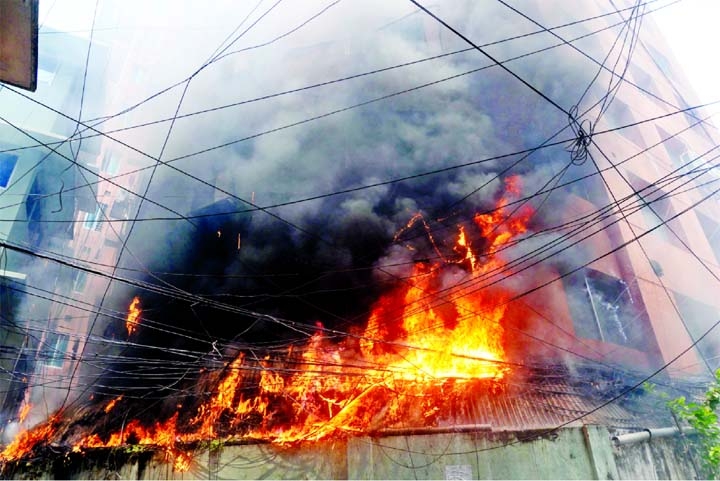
(633, 306)
(659, 284)
(44, 190)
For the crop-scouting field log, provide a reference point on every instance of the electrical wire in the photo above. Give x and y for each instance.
(635, 236)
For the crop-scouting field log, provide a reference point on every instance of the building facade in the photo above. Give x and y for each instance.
(620, 272)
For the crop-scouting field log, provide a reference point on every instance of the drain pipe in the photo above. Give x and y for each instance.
(647, 435)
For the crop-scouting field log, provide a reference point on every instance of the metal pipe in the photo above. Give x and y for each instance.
(647, 435)
(410, 431)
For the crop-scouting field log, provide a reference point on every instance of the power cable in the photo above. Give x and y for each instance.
(386, 182)
(271, 130)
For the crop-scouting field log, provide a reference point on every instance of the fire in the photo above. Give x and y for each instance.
(24, 411)
(458, 334)
(181, 461)
(133, 317)
(109, 407)
(28, 439)
(426, 343)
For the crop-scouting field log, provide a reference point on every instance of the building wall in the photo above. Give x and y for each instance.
(570, 453)
(671, 286)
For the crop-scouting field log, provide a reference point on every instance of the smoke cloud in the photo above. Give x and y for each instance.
(325, 260)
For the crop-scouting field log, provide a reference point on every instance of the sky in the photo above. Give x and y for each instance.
(691, 29)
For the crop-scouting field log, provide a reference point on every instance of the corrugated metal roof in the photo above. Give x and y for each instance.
(563, 399)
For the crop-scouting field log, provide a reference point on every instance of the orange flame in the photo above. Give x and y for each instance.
(109, 407)
(424, 343)
(181, 461)
(133, 316)
(28, 439)
(24, 411)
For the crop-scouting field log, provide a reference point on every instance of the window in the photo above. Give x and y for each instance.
(109, 164)
(661, 61)
(662, 210)
(712, 231)
(619, 114)
(707, 182)
(120, 209)
(591, 187)
(602, 308)
(644, 80)
(676, 149)
(53, 349)
(7, 166)
(92, 219)
(47, 68)
(652, 222)
(79, 281)
(657, 209)
(688, 156)
(698, 317)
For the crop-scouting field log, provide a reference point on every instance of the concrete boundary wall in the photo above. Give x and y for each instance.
(570, 453)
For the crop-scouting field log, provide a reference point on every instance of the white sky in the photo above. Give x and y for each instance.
(66, 16)
(691, 28)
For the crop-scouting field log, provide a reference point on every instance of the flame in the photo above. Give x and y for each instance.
(29, 438)
(426, 343)
(133, 317)
(24, 411)
(109, 406)
(181, 461)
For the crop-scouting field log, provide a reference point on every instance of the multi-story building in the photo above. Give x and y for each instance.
(630, 229)
(47, 182)
(645, 301)
(608, 296)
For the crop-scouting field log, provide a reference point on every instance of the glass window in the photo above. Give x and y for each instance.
(47, 68)
(711, 229)
(661, 61)
(53, 350)
(602, 308)
(662, 210)
(79, 281)
(110, 164)
(120, 210)
(657, 210)
(7, 166)
(92, 219)
(644, 80)
(619, 114)
(698, 317)
(676, 149)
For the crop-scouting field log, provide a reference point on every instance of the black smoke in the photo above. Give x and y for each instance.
(326, 260)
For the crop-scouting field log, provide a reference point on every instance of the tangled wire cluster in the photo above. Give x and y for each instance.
(583, 131)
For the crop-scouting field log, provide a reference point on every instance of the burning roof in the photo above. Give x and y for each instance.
(432, 353)
(428, 341)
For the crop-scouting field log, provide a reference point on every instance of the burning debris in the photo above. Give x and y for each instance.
(109, 407)
(427, 342)
(27, 440)
(133, 317)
